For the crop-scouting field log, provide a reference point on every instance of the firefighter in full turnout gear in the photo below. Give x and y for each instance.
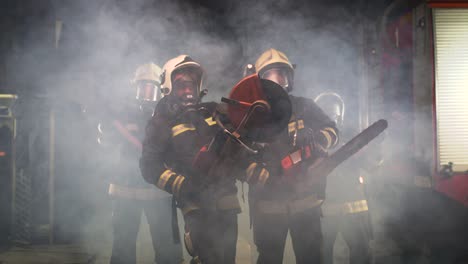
(277, 202)
(345, 210)
(180, 128)
(120, 137)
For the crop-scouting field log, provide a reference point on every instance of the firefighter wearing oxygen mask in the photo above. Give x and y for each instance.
(345, 209)
(278, 204)
(180, 129)
(120, 138)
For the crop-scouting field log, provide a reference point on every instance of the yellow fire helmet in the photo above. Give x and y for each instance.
(176, 64)
(147, 72)
(147, 82)
(273, 58)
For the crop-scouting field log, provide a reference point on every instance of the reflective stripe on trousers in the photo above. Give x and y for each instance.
(354, 207)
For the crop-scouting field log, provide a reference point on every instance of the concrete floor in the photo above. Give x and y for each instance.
(97, 243)
(99, 253)
(97, 249)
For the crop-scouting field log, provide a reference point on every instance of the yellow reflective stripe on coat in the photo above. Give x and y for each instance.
(328, 137)
(177, 184)
(356, 207)
(264, 175)
(332, 132)
(210, 121)
(179, 129)
(164, 178)
(292, 125)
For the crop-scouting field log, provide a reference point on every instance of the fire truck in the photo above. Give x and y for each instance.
(415, 70)
(420, 57)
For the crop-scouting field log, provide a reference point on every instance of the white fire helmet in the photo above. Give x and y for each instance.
(174, 65)
(333, 105)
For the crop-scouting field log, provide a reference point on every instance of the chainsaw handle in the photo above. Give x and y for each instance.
(234, 137)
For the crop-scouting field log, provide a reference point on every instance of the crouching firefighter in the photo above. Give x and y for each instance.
(277, 205)
(179, 129)
(120, 137)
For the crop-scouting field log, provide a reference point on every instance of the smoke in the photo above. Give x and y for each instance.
(113, 38)
(86, 79)
(320, 39)
(103, 42)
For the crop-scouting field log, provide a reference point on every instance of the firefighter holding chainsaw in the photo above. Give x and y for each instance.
(278, 202)
(120, 137)
(179, 131)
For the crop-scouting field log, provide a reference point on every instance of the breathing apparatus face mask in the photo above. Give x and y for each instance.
(279, 75)
(147, 91)
(185, 86)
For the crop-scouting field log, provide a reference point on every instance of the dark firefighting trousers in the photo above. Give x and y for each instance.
(354, 229)
(213, 235)
(270, 232)
(126, 219)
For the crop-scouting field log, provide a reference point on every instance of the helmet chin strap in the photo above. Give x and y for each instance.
(202, 94)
